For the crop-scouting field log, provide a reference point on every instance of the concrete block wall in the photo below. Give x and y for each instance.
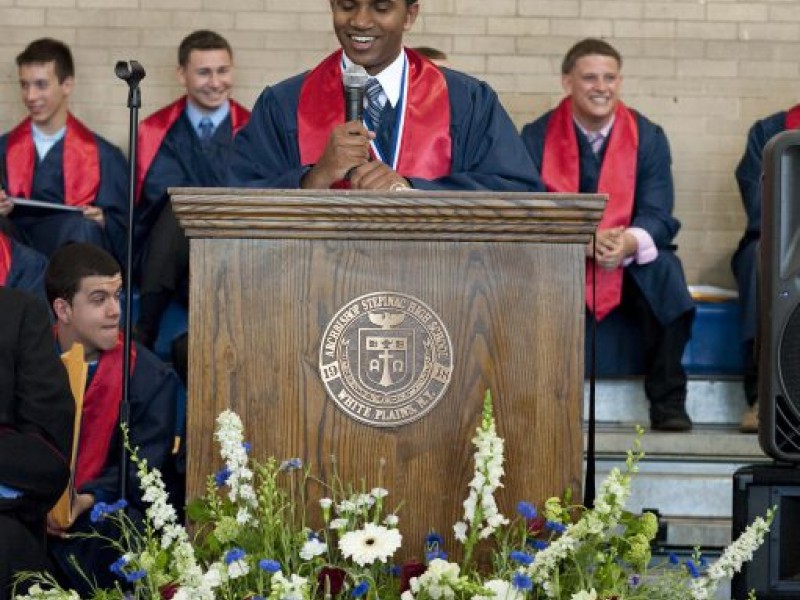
(703, 69)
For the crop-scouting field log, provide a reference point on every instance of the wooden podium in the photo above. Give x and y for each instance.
(273, 270)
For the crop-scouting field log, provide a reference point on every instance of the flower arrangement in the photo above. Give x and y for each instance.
(253, 541)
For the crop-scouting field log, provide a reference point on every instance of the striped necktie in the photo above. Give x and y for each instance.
(374, 106)
(205, 129)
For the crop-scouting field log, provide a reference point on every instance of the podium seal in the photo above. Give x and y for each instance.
(386, 359)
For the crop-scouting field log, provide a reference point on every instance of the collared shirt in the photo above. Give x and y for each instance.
(391, 79)
(44, 142)
(217, 115)
(646, 251)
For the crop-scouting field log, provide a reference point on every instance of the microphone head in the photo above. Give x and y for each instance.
(355, 76)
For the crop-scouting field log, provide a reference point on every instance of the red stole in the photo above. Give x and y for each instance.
(154, 128)
(793, 118)
(561, 173)
(5, 258)
(100, 414)
(81, 164)
(425, 149)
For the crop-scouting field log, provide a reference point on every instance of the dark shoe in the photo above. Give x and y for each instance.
(669, 416)
(673, 423)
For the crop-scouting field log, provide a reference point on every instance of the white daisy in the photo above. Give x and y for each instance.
(374, 542)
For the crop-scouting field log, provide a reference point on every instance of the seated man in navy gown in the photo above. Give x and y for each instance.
(83, 286)
(52, 157)
(425, 127)
(592, 142)
(36, 415)
(20, 267)
(745, 259)
(187, 143)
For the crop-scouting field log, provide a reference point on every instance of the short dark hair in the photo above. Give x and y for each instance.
(72, 263)
(202, 39)
(45, 50)
(588, 47)
(431, 53)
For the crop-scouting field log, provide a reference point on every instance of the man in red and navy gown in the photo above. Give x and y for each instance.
(185, 144)
(425, 127)
(52, 157)
(83, 286)
(592, 143)
(745, 260)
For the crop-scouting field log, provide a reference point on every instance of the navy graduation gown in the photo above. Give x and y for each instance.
(27, 270)
(46, 231)
(486, 151)
(662, 281)
(748, 175)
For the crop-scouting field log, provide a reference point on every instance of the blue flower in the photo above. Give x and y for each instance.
(118, 565)
(221, 477)
(257, 598)
(703, 562)
(527, 510)
(135, 575)
(269, 565)
(99, 511)
(247, 447)
(233, 555)
(634, 580)
(555, 526)
(521, 581)
(433, 538)
(673, 558)
(361, 589)
(433, 554)
(522, 558)
(291, 464)
(693, 570)
(395, 570)
(538, 544)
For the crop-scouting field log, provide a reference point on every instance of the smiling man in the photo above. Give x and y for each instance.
(592, 142)
(423, 128)
(187, 143)
(83, 286)
(51, 156)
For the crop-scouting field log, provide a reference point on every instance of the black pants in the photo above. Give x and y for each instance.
(22, 548)
(664, 344)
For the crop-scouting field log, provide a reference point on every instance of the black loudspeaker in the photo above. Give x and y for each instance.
(774, 572)
(779, 300)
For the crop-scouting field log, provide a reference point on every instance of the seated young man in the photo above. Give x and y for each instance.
(590, 143)
(20, 267)
(54, 158)
(36, 416)
(83, 286)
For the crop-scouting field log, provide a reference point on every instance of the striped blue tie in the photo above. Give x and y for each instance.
(205, 129)
(374, 107)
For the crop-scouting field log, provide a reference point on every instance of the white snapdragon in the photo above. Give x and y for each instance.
(293, 588)
(233, 452)
(440, 580)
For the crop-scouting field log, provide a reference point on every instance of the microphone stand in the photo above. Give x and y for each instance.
(132, 73)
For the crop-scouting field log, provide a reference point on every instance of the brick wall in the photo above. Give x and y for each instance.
(703, 69)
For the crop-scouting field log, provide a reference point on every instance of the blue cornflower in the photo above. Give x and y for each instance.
(395, 570)
(257, 598)
(135, 575)
(521, 581)
(693, 570)
(434, 554)
(291, 464)
(522, 558)
(527, 510)
(221, 477)
(247, 447)
(634, 580)
(555, 526)
(99, 511)
(540, 544)
(673, 559)
(233, 555)
(433, 538)
(269, 565)
(118, 565)
(703, 562)
(361, 589)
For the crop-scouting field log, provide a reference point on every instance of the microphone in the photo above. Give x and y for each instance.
(354, 80)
